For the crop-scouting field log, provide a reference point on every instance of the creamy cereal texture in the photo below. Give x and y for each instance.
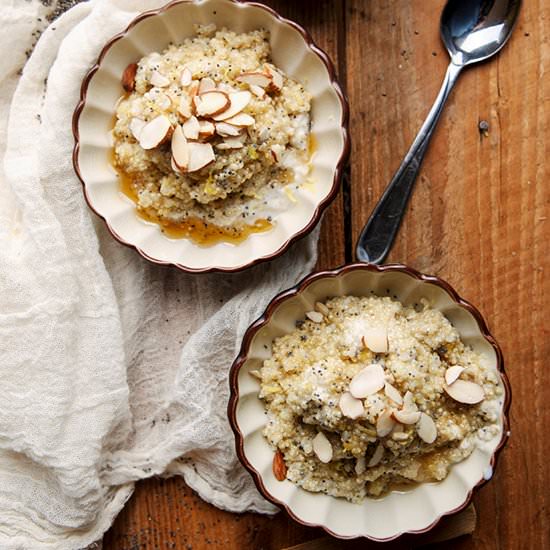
(367, 395)
(211, 133)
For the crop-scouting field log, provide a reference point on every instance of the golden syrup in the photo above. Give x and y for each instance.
(200, 232)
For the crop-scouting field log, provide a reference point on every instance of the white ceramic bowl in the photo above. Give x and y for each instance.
(293, 50)
(414, 511)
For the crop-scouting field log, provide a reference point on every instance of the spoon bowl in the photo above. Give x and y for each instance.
(472, 31)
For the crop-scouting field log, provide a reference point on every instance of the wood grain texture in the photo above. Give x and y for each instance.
(478, 218)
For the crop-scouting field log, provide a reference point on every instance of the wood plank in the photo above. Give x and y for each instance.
(167, 514)
(478, 214)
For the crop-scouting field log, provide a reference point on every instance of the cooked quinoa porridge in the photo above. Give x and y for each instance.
(212, 138)
(366, 396)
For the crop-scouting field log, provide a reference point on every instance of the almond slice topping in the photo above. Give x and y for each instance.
(180, 149)
(184, 107)
(315, 316)
(466, 392)
(174, 166)
(377, 456)
(367, 381)
(191, 128)
(426, 428)
(279, 466)
(277, 79)
(206, 85)
(200, 155)
(136, 126)
(230, 143)
(155, 132)
(159, 80)
(206, 129)
(257, 91)
(385, 423)
(238, 101)
(406, 417)
(452, 374)
(351, 407)
(242, 119)
(376, 339)
(129, 77)
(322, 448)
(211, 103)
(393, 393)
(227, 130)
(255, 79)
(186, 77)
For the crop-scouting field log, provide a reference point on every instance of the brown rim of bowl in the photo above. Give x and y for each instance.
(298, 289)
(342, 161)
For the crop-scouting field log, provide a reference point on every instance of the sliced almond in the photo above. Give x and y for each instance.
(136, 126)
(255, 373)
(408, 402)
(377, 456)
(230, 143)
(322, 448)
(406, 417)
(184, 107)
(322, 308)
(367, 381)
(163, 101)
(452, 374)
(227, 130)
(393, 393)
(238, 101)
(360, 465)
(385, 423)
(376, 339)
(399, 436)
(257, 90)
(242, 119)
(200, 155)
(315, 316)
(180, 149)
(186, 77)
(174, 166)
(426, 428)
(155, 132)
(466, 392)
(351, 407)
(211, 103)
(279, 466)
(277, 79)
(275, 157)
(206, 129)
(129, 77)
(255, 79)
(191, 128)
(159, 80)
(206, 85)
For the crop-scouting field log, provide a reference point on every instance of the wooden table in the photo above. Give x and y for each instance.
(478, 218)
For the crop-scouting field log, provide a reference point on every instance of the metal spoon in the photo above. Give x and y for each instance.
(472, 31)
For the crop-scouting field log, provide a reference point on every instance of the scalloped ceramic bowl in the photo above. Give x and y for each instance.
(293, 50)
(413, 511)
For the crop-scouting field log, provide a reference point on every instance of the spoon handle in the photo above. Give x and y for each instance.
(379, 233)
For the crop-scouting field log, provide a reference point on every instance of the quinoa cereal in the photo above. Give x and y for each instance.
(211, 138)
(366, 396)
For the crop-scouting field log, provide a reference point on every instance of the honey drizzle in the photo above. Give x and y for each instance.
(200, 232)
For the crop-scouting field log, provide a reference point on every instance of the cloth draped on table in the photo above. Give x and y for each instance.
(113, 369)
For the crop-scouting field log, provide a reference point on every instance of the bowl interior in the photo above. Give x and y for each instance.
(290, 52)
(398, 512)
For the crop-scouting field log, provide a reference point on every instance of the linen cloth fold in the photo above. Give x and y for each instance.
(112, 369)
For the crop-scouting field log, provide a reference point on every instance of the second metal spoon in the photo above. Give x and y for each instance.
(472, 31)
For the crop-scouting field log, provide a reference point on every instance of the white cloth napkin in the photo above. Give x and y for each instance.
(112, 369)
